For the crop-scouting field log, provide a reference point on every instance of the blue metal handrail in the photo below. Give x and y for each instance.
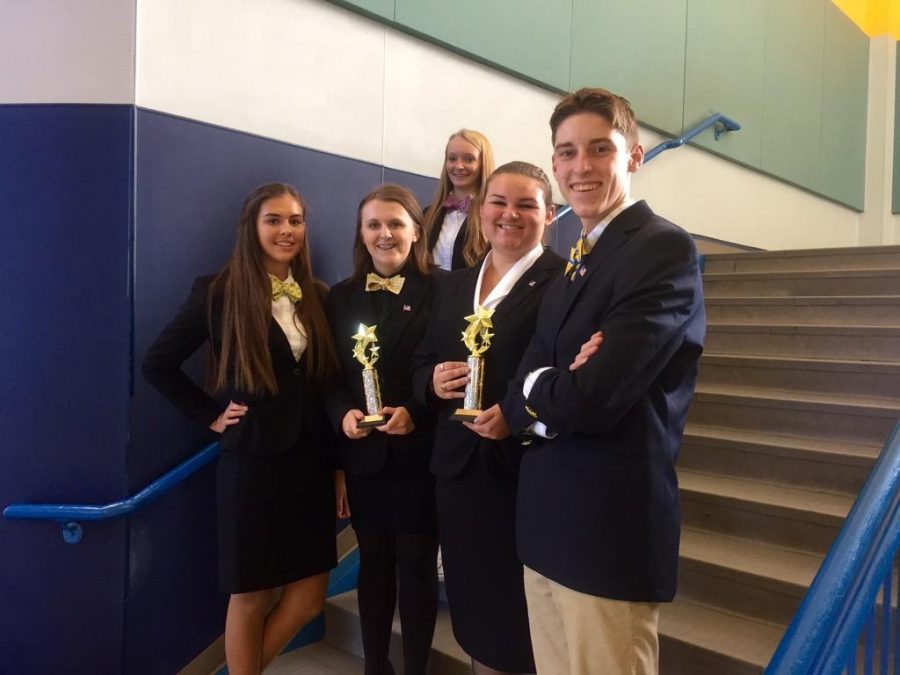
(721, 123)
(70, 514)
(823, 635)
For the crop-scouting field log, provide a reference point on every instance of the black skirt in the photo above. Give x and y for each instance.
(482, 573)
(276, 519)
(397, 499)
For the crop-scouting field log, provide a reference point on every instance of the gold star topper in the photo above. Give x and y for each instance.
(477, 335)
(366, 340)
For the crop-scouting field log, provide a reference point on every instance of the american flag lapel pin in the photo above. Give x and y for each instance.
(532, 283)
(407, 308)
(582, 271)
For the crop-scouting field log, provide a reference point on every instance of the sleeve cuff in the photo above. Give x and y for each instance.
(540, 429)
(531, 378)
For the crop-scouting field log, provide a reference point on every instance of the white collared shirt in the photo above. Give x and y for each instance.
(285, 314)
(600, 227)
(443, 249)
(504, 286)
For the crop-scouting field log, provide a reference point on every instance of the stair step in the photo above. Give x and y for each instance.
(747, 577)
(812, 463)
(782, 515)
(836, 282)
(342, 631)
(866, 343)
(319, 658)
(861, 257)
(857, 420)
(700, 640)
(861, 310)
(798, 374)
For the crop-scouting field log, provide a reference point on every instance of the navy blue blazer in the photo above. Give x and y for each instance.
(514, 323)
(399, 330)
(598, 507)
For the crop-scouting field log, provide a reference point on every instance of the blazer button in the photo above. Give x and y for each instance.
(297, 372)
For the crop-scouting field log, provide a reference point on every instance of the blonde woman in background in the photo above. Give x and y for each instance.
(452, 222)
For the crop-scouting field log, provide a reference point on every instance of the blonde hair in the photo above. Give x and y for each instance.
(475, 245)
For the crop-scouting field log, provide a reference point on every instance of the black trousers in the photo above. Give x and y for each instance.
(395, 565)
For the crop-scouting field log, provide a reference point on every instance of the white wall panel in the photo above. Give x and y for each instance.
(301, 71)
(429, 93)
(60, 51)
(710, 196)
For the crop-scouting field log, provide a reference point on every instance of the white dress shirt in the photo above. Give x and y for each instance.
(284, 312)
(504, 286)
(443, 249)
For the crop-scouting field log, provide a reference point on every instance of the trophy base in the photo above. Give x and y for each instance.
(463, 415)
(371, 421)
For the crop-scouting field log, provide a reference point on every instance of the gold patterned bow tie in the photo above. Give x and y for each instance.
(576, 256)
(393, 284)
(291, 289)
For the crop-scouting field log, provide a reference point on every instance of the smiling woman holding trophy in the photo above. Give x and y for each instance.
(482, 321)
(378, 316)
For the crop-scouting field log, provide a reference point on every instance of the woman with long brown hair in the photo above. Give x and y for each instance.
(452, 222)
(271, 353)
(390, 489)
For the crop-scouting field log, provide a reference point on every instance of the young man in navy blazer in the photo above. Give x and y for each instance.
(605, 387)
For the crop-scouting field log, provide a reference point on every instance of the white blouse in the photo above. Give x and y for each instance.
(286, 316)
(443, 249)
(504, 286)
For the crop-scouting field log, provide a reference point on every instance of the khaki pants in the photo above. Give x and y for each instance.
(574, 633)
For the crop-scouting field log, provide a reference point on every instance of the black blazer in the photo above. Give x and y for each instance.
(401, 322)
(598, 506)
(458, 261)
(273, 424)
(514, 324)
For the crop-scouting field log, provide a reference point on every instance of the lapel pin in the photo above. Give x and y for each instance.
(582, 271)
(532, 283)
(407, 308)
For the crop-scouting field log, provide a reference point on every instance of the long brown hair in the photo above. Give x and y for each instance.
(476, 244)
(244, 360)
(421, 258)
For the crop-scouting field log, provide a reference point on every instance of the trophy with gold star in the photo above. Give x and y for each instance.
(366, 352)
(477, 338)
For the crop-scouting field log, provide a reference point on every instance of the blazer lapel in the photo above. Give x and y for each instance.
(405, 309)
(535, 276)
(616, 234)
(279, 345)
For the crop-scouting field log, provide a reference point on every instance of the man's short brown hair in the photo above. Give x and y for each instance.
(613, 108)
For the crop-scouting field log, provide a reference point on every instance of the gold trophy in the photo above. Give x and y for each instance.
(477, 338)
(367, 342)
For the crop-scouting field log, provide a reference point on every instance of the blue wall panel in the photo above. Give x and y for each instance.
(64, 386)
(87, 274)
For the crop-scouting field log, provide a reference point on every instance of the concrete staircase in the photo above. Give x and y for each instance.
(799, 388)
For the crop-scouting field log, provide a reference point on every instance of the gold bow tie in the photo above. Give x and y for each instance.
(393, 284)
(576, 256)
(291, 289)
